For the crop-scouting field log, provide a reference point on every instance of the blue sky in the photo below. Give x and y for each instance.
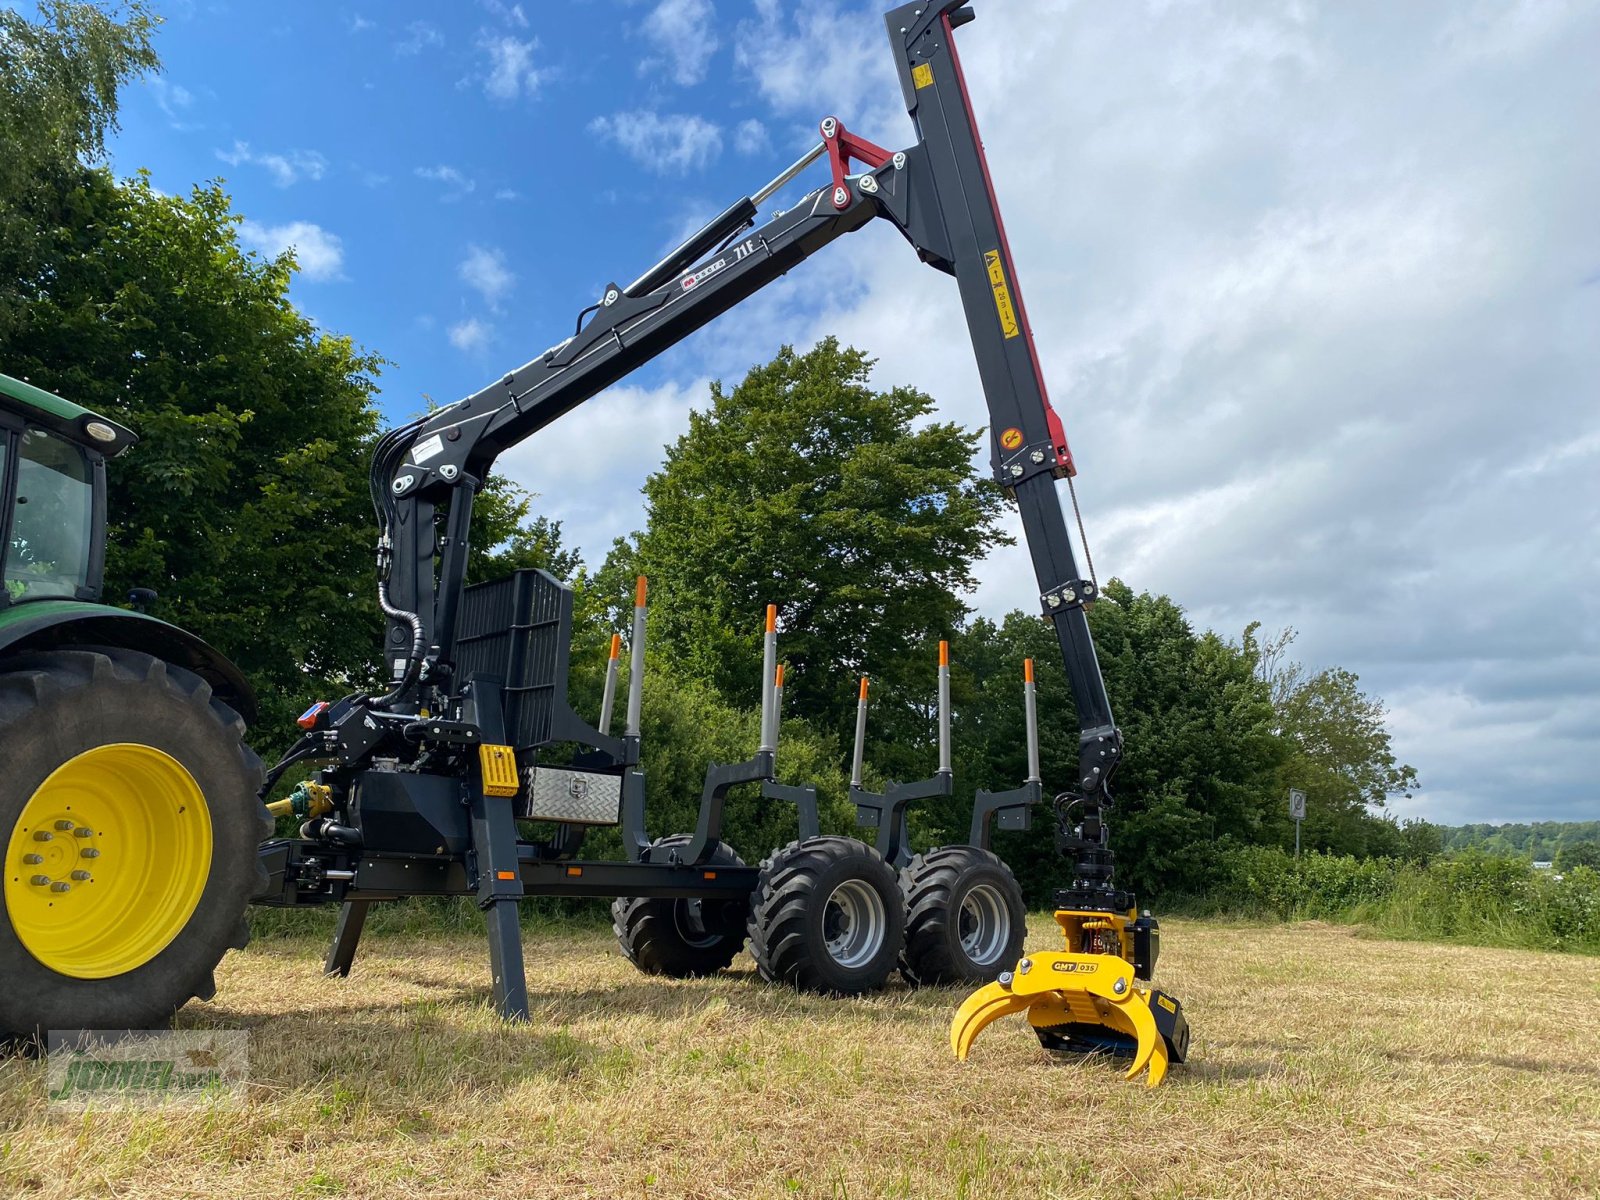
(1316, 286)
(459, 180)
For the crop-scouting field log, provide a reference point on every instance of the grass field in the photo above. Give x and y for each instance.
(1324, 1064)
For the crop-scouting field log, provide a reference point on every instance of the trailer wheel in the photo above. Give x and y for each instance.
(965, 919)
(680, 938)
(129, 820)
(827, 916)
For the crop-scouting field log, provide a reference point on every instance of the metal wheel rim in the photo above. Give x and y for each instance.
(108, 861)
(984, 924)
(690, 918)
(854, 922)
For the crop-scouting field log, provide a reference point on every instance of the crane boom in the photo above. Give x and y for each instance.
(938, 192)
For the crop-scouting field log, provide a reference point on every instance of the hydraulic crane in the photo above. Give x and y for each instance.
(423, 786)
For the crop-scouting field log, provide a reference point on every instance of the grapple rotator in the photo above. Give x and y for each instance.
(1087, 999)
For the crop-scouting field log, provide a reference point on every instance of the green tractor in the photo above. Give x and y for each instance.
(129, 806)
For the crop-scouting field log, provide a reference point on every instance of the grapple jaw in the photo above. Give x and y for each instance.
(1079, 1002)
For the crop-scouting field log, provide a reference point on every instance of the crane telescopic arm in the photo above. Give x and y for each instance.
(939, 194)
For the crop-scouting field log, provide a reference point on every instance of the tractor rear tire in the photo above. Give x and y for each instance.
(965, 918)
(129, 820)
(680, 939)
(827, 916)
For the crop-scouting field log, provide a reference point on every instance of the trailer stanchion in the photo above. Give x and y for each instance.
(769, 667)
(609, 699)
(944, 708)
(861, 735)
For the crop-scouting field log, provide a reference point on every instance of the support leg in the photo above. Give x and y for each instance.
(505, 960)
(499, 889)
(346, 936)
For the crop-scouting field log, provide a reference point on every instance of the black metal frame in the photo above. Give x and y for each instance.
(938, 193)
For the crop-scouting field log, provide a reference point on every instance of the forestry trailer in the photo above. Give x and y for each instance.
(131, 812)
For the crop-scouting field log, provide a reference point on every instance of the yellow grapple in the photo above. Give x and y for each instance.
(1085, 999)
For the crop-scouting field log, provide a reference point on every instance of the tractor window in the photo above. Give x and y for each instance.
(52, 524)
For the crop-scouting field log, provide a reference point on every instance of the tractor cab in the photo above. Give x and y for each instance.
(52, 494)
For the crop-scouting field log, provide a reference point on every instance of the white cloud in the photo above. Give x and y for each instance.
(470, 335)
(750, 137)
(511, 71)
(484, 270)
(1317, 311)
(507, 194)
(669, 144)
(419, 36)
(826, 53)
(173, 99)
(511, 14)
(356, 23)
(595, 495)
(682, 31)
(319, 253)
(286, 169)
(456, 183)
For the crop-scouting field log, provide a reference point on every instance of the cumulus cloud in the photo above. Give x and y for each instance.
(417, 37)
(682, 31)
(596, 496)
(671, 144)
(511, 72)
(1315, 292)
(319, 253)
(750, 137)
(470, 335)
(456, 184)
(511, 14)
(484, 270)
(286, 169)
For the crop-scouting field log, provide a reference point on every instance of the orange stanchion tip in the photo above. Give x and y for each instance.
(616, 645)
(640, 589)
(772, 618)
(1027, 670)
(863, 688)
(944, 654)
(778, 679)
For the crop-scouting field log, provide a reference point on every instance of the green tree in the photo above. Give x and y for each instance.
(1573, 855)
(1202, 757)
(846, 506)
(59, 79)
(245, 504)
(508, 536)
(1343, 756)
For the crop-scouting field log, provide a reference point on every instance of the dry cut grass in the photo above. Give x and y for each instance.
(1324, 1064)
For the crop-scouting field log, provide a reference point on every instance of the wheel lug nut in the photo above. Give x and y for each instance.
(44, 835)
(83, 831)
(89, 852)
(60, 887)
(33, 860)
(80, 876)
(40, 880)
(63, 825)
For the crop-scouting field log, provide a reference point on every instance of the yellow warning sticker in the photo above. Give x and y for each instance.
(1002, 294)
(1166, 1004)
(1011, 439)
(922, 75)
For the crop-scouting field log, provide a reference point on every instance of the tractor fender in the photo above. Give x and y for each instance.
(54, 625)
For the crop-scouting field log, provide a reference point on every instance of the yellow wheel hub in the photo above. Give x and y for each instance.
(108, 860)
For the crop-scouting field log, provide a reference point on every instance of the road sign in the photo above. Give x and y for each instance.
(1297, 805)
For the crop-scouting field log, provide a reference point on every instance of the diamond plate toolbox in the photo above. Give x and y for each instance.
(576, 797)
